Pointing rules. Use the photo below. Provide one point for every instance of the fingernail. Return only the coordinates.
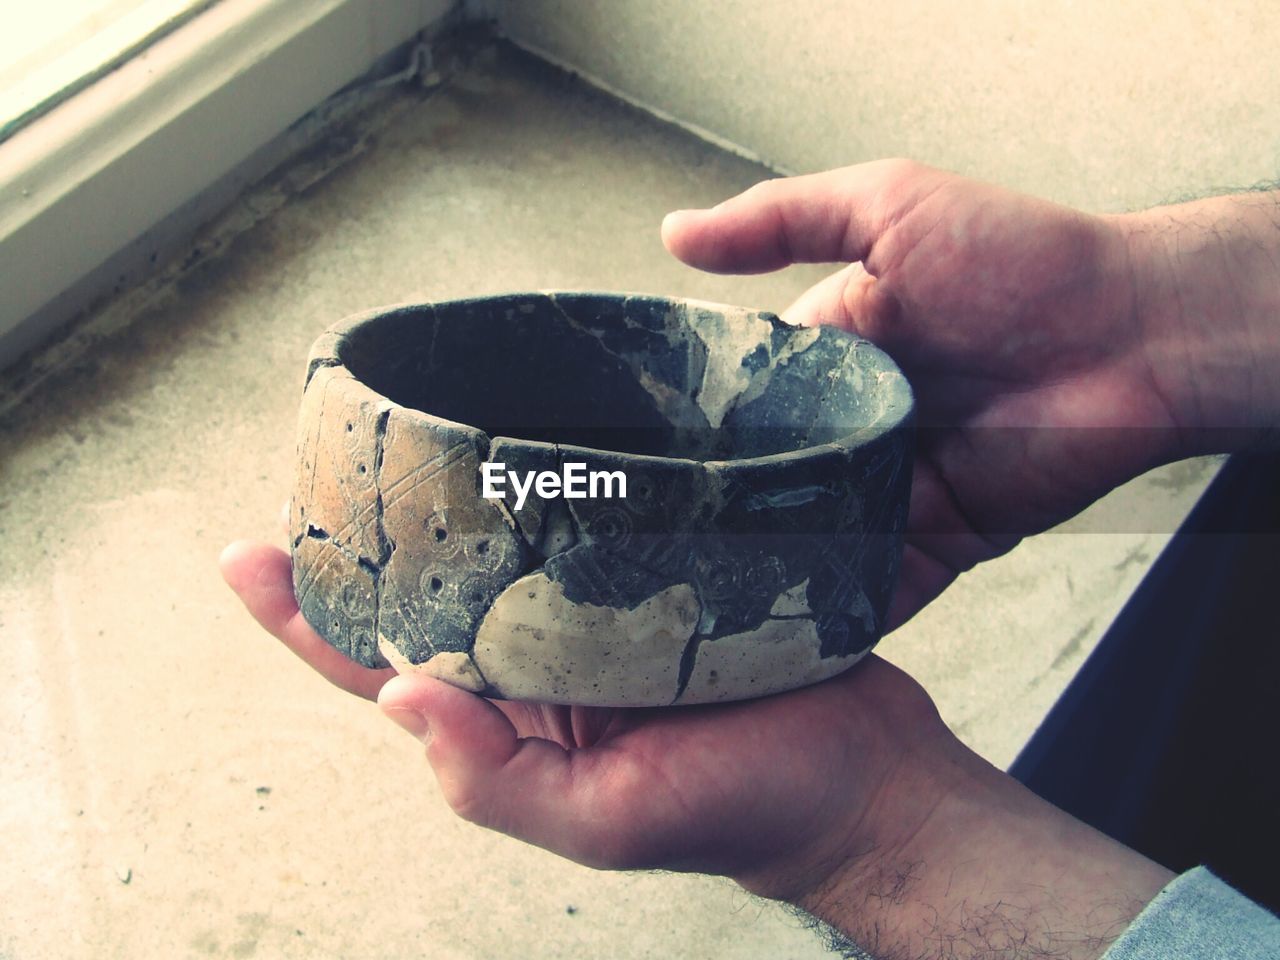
(411, 720)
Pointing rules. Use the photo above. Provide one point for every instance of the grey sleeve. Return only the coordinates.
(1198, 917)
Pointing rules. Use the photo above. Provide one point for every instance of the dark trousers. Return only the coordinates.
(1167, 738)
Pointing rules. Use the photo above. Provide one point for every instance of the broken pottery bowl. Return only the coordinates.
(600, 498)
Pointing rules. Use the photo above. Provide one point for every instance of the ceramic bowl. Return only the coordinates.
(602, 499)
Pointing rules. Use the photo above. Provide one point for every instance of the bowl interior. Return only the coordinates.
(630, 374)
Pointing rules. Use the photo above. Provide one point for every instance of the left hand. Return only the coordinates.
(850, 799)
(777, 793)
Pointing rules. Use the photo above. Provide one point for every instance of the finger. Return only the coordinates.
(850, 299)
(567, 726)
(821, 218)
(590, 724)
(939, 526)
(921, 579)
(261, 577)
(530, 788)
(543, 720)
(941, 544)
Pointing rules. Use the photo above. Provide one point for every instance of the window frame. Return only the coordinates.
(83, 181)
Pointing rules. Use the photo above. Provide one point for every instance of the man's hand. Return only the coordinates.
(1048, 358)
(1054, 355)
(850, 799)
(776, 793)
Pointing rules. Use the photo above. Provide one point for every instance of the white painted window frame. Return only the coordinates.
(80, 183)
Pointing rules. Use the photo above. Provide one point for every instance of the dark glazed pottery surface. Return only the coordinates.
(767, 471)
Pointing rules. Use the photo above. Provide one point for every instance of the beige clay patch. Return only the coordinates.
(535, 644)
(777, 655)
(451, 666)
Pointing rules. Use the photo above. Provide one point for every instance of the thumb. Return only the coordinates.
(531, 789)
(821, 218)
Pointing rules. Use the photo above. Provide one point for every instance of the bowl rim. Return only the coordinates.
(899, 415)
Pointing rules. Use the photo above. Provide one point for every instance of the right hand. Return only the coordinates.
(1014, 319)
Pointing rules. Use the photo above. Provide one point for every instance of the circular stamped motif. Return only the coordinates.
(610, 528)
(488, 552)
(437, 586)
(442, 542)
(474, 594)
(352, 601)
(766, 576)
(357, 434)
(720, 578)
(644, 495)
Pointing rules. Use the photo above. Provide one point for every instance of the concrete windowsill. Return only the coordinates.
(178, 783)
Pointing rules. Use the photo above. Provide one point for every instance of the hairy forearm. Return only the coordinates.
(1206, 282)
(993, 872)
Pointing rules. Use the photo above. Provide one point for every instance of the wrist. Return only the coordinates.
(991, 871)
(880, 790)
(1205, 279)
